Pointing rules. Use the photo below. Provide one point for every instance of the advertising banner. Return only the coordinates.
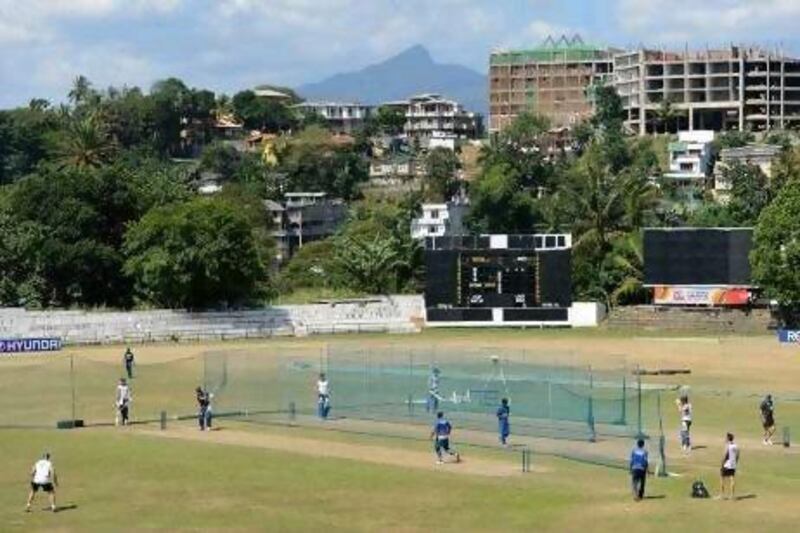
(688, 295)
(789, 336)
(8, 346)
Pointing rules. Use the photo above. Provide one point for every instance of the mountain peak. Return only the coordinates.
(412, 71)
(417, 54)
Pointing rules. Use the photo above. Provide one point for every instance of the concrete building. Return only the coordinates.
(691, 158)
(736, 88)
(553, 80)
(439, 220)
(302, 218)
(342, 117)
(428, 115)
(399, 167)
(760, 155)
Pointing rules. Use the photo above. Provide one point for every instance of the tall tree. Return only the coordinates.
(750, 192)
(500, 203)
(86, 143)
(262, 113)
(198, 254)
(390, 120)
(667, 115)
(775, 257)
(441, 181)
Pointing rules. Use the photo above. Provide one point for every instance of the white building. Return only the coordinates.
(440, 139)
(342, 117)
(439, 220)
(401, 167)
(690, 158)
(427, 114)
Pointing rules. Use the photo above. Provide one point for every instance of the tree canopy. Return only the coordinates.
(196, 254)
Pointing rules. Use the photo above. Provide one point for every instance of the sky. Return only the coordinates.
(229, 45)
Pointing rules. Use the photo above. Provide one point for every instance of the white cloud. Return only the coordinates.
(539, 30)
(26, 21)
(108, 65)
(712, 21)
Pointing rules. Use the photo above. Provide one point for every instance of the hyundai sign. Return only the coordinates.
(789, 336)
(29, 345)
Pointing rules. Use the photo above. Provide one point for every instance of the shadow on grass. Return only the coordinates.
(67, 507)
(745, 497)
(656, 497)
(700, 447)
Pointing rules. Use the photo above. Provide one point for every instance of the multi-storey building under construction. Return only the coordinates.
(553, 80)
(736, 88)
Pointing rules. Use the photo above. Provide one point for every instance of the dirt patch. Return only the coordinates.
(340, 450)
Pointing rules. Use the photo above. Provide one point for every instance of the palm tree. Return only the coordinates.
(596, 198)
(369, 264)
(81, 91)
(667, 115)
(627, 260)
(87, 143)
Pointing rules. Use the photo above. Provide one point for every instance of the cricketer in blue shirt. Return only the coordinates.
(441, 438)
(503, 424)
(638, 466)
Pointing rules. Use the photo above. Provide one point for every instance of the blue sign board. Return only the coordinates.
(29, 345)
(789, 336)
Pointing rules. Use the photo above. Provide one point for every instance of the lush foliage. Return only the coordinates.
(198, 253)
(441, 183)
(314, 161)
(263, 114)
(373, 253)
(775, 257)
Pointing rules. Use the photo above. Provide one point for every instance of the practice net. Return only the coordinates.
(396, 385)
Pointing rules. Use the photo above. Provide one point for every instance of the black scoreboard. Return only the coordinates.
(473, 272)
(697, 256)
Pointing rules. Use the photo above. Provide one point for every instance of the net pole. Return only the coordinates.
(410, 382)
(624, 400)
(590, 413)
(662, 441)
(72, 383)
(639, 401)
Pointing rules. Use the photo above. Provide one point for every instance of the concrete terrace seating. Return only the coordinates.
(708, 319)
(389, 314)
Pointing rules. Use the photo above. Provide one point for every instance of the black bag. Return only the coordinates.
(699, 490)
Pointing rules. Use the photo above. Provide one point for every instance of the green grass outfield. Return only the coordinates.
(129, 479)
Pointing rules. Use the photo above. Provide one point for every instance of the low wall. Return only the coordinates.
(706, 319)
(394, 314)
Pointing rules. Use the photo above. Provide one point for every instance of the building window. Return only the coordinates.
(686, 167)
(435, 213)
(431, 230)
